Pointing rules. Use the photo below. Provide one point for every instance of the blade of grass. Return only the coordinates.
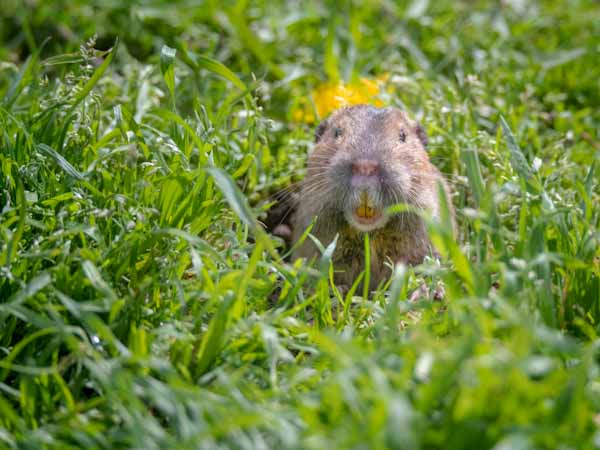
(198, 62)
(518, 160)
(93, 275)
(61, 161)
(6, 363)
(167, 68)
(26, 75)
(13, 244)
(89, 85)
(367, 279)
(35, 285)
(473, 169)
(234, 197)
(211, 342)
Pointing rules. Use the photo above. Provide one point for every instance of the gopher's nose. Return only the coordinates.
(365, 167)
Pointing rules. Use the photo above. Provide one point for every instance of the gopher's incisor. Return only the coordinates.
(366, 159)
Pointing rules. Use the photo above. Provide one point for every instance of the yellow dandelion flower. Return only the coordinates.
(328, 97)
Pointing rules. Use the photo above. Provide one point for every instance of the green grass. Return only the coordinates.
(142, 305)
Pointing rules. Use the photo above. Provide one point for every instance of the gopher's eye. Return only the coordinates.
(338, 132)
(402, 136)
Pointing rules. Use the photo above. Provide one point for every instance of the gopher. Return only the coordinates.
(366, 159)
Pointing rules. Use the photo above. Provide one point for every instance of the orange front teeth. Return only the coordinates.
(365, 210)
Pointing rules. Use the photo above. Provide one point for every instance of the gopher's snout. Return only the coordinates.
(365, 174)
(365, 167)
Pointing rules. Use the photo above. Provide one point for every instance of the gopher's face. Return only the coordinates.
(366, 159)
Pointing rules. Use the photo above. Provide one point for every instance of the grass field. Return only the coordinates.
(142, 304)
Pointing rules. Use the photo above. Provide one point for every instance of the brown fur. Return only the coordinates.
(407, 176)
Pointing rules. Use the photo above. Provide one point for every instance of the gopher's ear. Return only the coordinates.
(421, 134)
(321, 130)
